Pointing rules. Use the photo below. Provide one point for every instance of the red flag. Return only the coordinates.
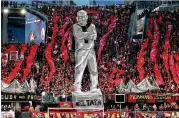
(64, 49)
(62, 30)
(166, 47)
(30, 61)
(55, 19)
(65, 54)
(17, 67)
(120, 72)
(151, 20)
(104, 38)
(114, 70)
(158, 75)
(95, 13)
(153, 54)
(160, 20)
(50, 59)
(177, 69)
(173, 69)
(140, 61)
(176, 57)
(117, 81)
(11, 48)
(49, 49)
(105, 23)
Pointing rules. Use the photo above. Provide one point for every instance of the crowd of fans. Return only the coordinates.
(136, 107)
(146, 107)
(155, 107)
(118, 52)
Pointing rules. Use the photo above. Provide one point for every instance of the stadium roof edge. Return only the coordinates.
(40, 15)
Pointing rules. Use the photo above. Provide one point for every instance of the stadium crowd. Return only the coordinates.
(142, 107)
(118, 52)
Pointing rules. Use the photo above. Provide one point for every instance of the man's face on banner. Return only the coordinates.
(82, 18)
(31, 36)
